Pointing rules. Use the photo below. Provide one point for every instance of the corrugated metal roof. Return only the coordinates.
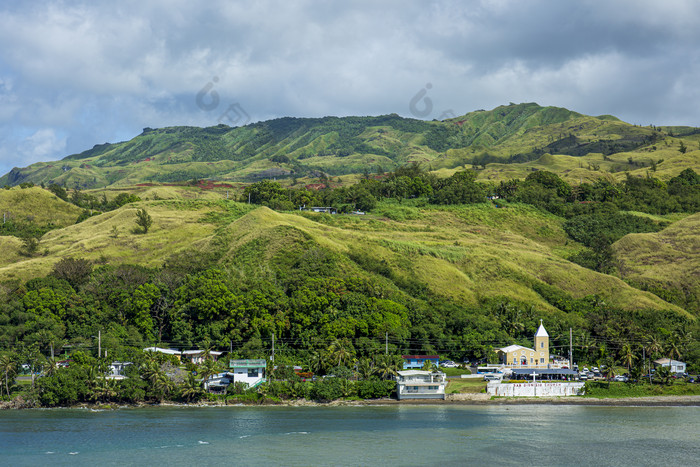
(553, 371)
(255, 363)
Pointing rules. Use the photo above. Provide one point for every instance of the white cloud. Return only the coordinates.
(41, 145)
(100, 71)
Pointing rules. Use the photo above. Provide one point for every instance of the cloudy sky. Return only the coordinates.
(75, 74)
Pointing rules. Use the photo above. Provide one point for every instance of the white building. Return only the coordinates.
(219, 382)
(675, 365)
(250, 372)
(417, 384)
(198, 356)
(117, 370)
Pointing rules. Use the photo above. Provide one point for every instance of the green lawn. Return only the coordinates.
(465, 386)
(455, 371)
(677, 388)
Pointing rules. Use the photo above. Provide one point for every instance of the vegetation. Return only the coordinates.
(143, 220)
(456, 255)
(505, 142)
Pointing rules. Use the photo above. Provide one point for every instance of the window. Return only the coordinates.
(252, 372)
(541, 345)
(541, 360)
(531, 360)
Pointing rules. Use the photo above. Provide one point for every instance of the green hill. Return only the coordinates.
(516, 135)
(665, 262)
(436, 274)
(467, 254)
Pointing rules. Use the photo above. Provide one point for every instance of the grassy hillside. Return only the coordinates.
(38, 206)
(466, 254)
(667, 262)
(508, 141)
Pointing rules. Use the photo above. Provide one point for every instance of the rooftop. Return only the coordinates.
(541, 332)
(254, 363)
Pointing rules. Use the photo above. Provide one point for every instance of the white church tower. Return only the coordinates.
(541, 347)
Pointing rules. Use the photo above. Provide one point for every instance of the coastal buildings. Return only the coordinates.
(518, 356)
(117, 370)
(674, 365)
(417, 384)
(250, 372)
(417, 361)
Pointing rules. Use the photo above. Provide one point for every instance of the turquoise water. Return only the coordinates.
(369, 435)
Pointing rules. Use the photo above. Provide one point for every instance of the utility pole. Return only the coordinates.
(99, 344)
(386, 341)
(571, 349)
(51, 350)
(273, 347)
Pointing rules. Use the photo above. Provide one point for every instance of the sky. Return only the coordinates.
(75, 74)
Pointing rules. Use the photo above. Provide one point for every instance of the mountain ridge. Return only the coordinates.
(291, 147)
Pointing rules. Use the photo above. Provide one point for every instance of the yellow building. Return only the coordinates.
(517, 356)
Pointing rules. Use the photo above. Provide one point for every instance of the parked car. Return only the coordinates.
(493, 377)
(582, 376)
(621, 378)
(449, 364)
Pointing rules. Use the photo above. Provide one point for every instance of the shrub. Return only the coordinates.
(328, 389)
(375, 389)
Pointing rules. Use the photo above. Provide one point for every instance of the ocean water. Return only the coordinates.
(355, 435)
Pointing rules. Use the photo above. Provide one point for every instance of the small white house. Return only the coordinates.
(675, 365)
(117, 370)
(250, 372)
(198, 356)
(418, 384)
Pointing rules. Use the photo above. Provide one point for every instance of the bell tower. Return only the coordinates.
(541, 347)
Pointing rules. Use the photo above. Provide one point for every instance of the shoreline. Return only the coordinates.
(648, 401)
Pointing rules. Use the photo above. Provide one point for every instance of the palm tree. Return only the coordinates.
(339, 353)
(316, 363)
(609, 371)
(151, 371)
(428, 365)
(207, 369)
(93, 380)
(628, 356)
(672, 348)
(105, 389)
(50, 366)
(386, 367)
(8, 367)
(654, 346)
(365, 368)
(191, 388)
(162, 386)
